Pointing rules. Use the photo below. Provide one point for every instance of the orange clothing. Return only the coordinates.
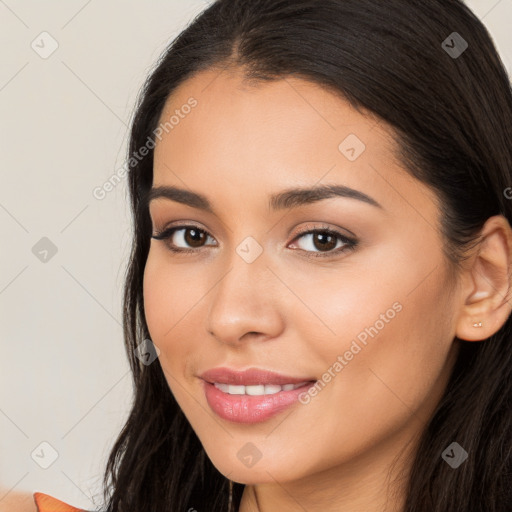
(46, 503)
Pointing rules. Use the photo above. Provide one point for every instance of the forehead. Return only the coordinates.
(281, 114)
(270, 135)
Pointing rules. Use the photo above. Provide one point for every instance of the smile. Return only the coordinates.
(258, 390)
(252, 404)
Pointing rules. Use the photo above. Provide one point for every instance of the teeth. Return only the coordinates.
(257, 390)
(254, 390)
(270, 389)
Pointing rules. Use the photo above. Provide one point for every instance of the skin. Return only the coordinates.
(295, 315)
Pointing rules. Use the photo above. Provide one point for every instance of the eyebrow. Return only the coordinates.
(287, 199)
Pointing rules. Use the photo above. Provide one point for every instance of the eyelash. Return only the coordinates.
(350, 243)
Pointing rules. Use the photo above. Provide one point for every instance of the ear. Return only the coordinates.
(486, 283)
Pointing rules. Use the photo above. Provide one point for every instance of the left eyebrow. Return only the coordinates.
(287, 199)
(295, 197)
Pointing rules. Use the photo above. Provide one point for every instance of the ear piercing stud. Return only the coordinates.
(479, 324)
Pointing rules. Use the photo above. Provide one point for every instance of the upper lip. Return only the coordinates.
(250, 377)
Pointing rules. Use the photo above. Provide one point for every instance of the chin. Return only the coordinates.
(265, 470)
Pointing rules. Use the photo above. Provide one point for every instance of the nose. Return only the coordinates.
(245, 304)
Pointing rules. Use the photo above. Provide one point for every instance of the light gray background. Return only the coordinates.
(64, 378)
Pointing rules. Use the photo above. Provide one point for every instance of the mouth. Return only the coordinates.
(253, 395)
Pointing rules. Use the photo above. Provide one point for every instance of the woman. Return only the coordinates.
(317, 303)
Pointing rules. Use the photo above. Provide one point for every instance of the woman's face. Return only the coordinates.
(371, 322)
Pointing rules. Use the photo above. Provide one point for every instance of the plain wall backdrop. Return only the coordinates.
(69, 78)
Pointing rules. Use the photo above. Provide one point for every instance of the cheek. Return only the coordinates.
(170, 291)
(385, 331)
(389, 381)
(157, 299)
(169, 297)
(331, 307)
(171, 302)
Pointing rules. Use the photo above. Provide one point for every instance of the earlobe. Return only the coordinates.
(485, 300)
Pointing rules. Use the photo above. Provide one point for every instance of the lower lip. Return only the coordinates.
(250, 408)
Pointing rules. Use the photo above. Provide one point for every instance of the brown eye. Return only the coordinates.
(183, 238)
(194, 237)
(324, 243)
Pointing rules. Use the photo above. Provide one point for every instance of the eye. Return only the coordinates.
(191, 235)
(323, 239)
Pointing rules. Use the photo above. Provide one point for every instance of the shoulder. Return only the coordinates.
(46, 503)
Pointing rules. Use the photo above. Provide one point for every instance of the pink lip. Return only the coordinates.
(250, 408)
(250, 377)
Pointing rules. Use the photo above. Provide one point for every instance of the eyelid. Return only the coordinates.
(323, 227)
(181, 224)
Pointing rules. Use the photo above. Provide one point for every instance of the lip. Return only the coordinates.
(250, 408)
(250, 377)
(247, 408)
